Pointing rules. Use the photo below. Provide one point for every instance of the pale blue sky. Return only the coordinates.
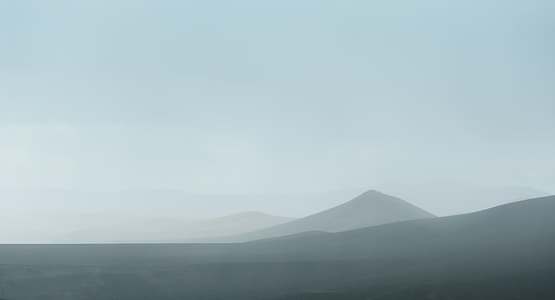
(276, 96)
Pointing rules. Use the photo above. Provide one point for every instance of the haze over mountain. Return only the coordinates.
(240, 96)
(51, 215)
(168, 203)
(439, 198)
(161, 230)
(368, 209)
(124, 228)
(57, 215)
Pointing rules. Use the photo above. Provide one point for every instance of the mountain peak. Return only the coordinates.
(368, 209)
(369, 195)
(376, 202)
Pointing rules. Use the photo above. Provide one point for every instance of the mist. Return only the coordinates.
(307, 149)
(250, 98)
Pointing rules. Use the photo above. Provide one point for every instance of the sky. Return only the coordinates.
(276, 96)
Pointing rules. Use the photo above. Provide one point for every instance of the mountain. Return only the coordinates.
(163, 229)
(504, 252)
(368, 209)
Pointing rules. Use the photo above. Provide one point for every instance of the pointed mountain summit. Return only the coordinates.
(368, 209)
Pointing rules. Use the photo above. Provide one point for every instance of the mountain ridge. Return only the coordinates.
(164, 230)
(368, 209)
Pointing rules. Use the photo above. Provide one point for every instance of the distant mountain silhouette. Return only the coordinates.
(163, 230)
(169, 203)
(368, 209)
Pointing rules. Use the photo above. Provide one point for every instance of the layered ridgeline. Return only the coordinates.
(73, 216)
(501, 253)
(105, 228)
(368, 209)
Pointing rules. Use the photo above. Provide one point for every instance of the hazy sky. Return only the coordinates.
(267, 96)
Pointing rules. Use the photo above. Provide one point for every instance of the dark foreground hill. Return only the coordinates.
(368, 209)
(501, 253)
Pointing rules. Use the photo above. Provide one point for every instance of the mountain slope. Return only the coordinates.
(504, 229)
(368, 209)
(504, 252)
